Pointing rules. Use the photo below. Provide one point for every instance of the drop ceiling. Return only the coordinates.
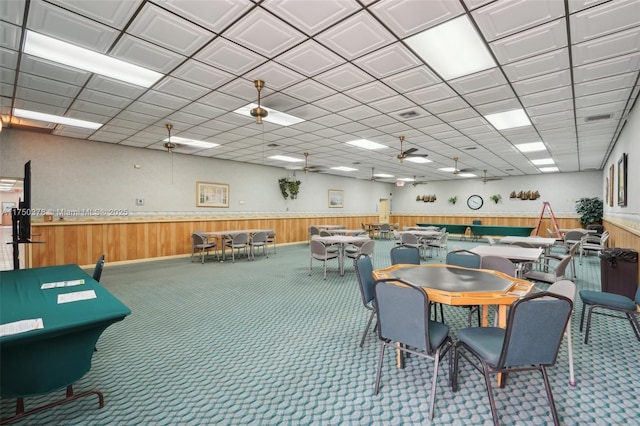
(345, 68)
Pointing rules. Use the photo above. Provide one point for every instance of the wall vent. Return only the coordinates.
(408, 114)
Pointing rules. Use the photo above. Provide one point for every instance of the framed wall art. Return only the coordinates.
(622, 180)
(210, 194)
(336, 198)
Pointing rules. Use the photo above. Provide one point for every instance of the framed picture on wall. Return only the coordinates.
(622, 180)
(210, 194)
(610, 183)
(336, 198)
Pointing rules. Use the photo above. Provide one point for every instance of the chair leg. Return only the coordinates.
(380, 359)
(552, 404)
(434, 384)
(366, 330)
(584, 307)
(634, 323)
(586, 333)
(492, 402)
(572, 379)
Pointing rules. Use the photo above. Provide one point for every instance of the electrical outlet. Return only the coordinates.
(139, 201)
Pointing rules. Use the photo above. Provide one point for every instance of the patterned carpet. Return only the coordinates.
(264, 343)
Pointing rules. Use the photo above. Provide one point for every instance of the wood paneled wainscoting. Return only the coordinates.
(82, 243)
(623, 236)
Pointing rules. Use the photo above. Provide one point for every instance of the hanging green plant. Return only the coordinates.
(495, 198)
(283, 187)
(294, 188)
(453, 200)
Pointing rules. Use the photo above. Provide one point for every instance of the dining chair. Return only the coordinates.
(589, 244)
(405, 254)
(97, 271)
(200, 243)
(239, 241)
(572, 252)
(547, 273)
(313, 230)
(567, 289)
(271, 238)
(498, 263)
(368, 248)
(599, 302)
(259, 239)
(441, 242)
(466, 259)
(531, 341)
(404, 324)
(364, 268)
(410, 240)
(572, 237)
(320, 252)
(384, 231)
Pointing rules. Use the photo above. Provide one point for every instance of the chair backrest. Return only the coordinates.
(476, 222)
(491, 241)
(403, 313)
(535, 328)
(637, 298)
(325, 233)
(405, 254)
(364, 268)
(197, 238)
(368, 248)
(317, 248)
(564, 288)
(499, 263)
(560, 269)
(259, 237)
(572, 237)
(464, 258)
(241, 238)
(313, 230)
(396, 225)
(385, 227)
(97, 271)
(442, 240)
(408, 238)
(574, 249)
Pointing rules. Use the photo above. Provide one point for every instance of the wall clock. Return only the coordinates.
(475, 202)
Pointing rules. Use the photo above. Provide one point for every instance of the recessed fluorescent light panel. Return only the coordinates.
(452, 49)
(191, 142)
(508, 119)
(531, 147)
(79, 57)
(447, 169)
(286, 158)
(465, 175)
(419, 160)
(363, 143)
(275, 117)
(543, 162)
(40, 116)
(549, 169)
(344, 169)
(383, 175)
(406, 179)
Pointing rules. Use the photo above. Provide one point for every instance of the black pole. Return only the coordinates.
(15, 238)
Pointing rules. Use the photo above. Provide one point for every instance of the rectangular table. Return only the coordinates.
(341, 241)
(513, 253)
(58, 354)
(229, 234)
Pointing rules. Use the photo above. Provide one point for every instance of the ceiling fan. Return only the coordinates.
(486, 178)
(170, 146)
(258, 112)
(307, 168)
(456, 170)
(408, 153)
(373, 176)
(418, 182)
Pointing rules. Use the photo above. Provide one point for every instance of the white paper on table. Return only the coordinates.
(21, 326)
(76, 295)
(61, 284)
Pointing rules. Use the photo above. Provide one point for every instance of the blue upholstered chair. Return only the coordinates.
(364, 269)
(404, 318)
(466, 259)
(531, 341)
(405, 254)
(609, 302)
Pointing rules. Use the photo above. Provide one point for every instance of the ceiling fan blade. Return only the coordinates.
(409, 152)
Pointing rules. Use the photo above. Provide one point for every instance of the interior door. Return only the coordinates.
(383, 211)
